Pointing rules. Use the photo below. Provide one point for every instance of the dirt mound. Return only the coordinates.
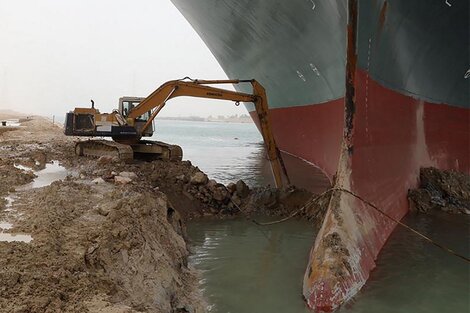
(97, 247)
(11, 176)
(121, 243)
(447, 191)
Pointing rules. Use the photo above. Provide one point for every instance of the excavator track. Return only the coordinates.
(145, 149)
(99, 148)
(148, 149)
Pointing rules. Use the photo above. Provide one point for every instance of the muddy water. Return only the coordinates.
(15, 237)
(414, 276)
(4, 226)
(248, 269)
(52, 172)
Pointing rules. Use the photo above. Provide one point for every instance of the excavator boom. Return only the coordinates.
(195, 88)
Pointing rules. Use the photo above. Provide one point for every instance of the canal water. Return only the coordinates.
(227, 152)
(249, 268)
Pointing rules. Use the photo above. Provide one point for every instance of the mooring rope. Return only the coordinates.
(295, 213)
(419, 234)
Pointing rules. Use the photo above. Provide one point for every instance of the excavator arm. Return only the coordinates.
(194, 88)
(199, 88)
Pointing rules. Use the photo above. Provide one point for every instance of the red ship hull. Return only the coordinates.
(395, 135)
(400, 103)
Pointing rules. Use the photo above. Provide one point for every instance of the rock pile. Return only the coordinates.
(194, 194)
(448, 191)
(184, 183)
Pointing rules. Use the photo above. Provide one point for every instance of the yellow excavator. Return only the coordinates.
(134, 120)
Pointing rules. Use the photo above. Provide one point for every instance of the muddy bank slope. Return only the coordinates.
(97, 246)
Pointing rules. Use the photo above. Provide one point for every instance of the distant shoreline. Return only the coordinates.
(230, 119)
(244, 118)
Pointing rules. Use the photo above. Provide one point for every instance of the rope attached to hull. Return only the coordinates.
(369, 204)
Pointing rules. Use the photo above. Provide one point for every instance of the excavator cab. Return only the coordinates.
(126, 105)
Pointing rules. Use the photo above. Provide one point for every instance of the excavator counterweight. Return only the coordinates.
(134, 120)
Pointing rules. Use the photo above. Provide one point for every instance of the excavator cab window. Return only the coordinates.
(144, 117)
(127, 106)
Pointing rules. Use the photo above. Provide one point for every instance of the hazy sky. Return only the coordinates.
(56, 55)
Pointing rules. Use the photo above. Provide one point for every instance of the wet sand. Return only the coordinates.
(69, 244)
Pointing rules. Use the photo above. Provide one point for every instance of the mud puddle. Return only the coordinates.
(11, 122)
(12, 237)
(9, 199)
(15, 237)
(5, 225)
(51, 173)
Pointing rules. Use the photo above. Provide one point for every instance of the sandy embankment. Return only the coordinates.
(96, 247)
(103, 246)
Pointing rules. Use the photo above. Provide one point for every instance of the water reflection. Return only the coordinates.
(213, 148)
(246, 268)
(414, 276)
(51, 173)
